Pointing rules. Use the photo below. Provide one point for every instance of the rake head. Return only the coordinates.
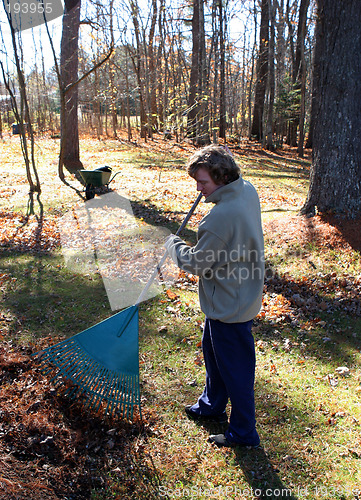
(101, 364)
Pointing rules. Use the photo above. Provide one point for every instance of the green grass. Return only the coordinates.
(308, 413)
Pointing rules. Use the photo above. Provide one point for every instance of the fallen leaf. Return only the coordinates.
(171, 295)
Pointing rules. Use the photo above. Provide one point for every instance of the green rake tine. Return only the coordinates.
(108, 395)
(131, 395)
(107, 388)
(123, 396)
(113, 401)
(118, 401)
(127, 395)
(92, 392)
(75, 376)
(117, 391)
(83, 380)
(134, 395)
(86, 374)
(72, 353)
(117, 406)
(130, 398)
(98, 395)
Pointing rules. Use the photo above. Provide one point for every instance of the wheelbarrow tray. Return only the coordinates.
(95, 177)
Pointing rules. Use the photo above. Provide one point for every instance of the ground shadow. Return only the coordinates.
(258, 470)
(261, 475)
(350, 230)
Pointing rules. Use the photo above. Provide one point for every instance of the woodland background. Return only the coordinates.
(139, 87)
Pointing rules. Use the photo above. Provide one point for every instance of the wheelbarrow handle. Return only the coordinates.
(162, 260)
(113, 177)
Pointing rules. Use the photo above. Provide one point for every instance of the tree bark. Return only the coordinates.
(335, 183)
(197, 116)
(222, 70)
(262, 72)
(271, 78)
(68, 75)
(138, 63)
(299, 71)
(153, 119)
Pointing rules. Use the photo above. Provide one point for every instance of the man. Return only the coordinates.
(229, 260)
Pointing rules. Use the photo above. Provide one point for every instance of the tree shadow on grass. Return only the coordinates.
(261, 475)
(41, 298)
(155, 216)
(323, 312)
(258, 471)
(350, 230)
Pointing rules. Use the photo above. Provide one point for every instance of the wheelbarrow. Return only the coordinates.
(97, 181)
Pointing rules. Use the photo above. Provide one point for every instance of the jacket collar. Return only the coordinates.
(227, 191)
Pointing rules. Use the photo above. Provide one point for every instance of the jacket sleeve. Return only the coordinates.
(204, 256)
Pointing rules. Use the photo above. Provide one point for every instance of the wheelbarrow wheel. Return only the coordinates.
(89, 191)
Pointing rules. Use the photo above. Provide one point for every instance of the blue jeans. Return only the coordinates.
(230, 361)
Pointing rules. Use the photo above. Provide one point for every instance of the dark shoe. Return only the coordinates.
(221, 440)
(218, 419)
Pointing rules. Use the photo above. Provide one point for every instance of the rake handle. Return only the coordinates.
(162, 260)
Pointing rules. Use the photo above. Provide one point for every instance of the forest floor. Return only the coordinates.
(308, 341)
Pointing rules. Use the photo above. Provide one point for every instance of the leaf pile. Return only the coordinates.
(325, 232)
(52, 449)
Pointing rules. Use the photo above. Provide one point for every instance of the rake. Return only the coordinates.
(100, 365)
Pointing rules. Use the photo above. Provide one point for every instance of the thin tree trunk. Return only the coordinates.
(271, 78)
(222, 70)
(262, 72)
(193, 105)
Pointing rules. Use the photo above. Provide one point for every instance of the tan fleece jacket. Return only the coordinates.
(229, 254)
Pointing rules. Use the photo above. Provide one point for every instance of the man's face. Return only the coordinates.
(205, 184)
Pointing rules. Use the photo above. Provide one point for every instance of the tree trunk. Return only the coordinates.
(138, 63)
(193, 105)
(335, 184)
(280, 67)
(70, 150)
(197, 117)
(249, 100)
(262, 72)
(271, 78)
(153, 119)
(299, 71)
(222, 70)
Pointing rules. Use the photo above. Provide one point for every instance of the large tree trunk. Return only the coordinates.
(336, 167)
(262, 72)
(69, 74)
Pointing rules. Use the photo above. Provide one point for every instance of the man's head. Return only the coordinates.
(217, 162)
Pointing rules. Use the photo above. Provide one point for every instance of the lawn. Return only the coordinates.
(307, 335)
